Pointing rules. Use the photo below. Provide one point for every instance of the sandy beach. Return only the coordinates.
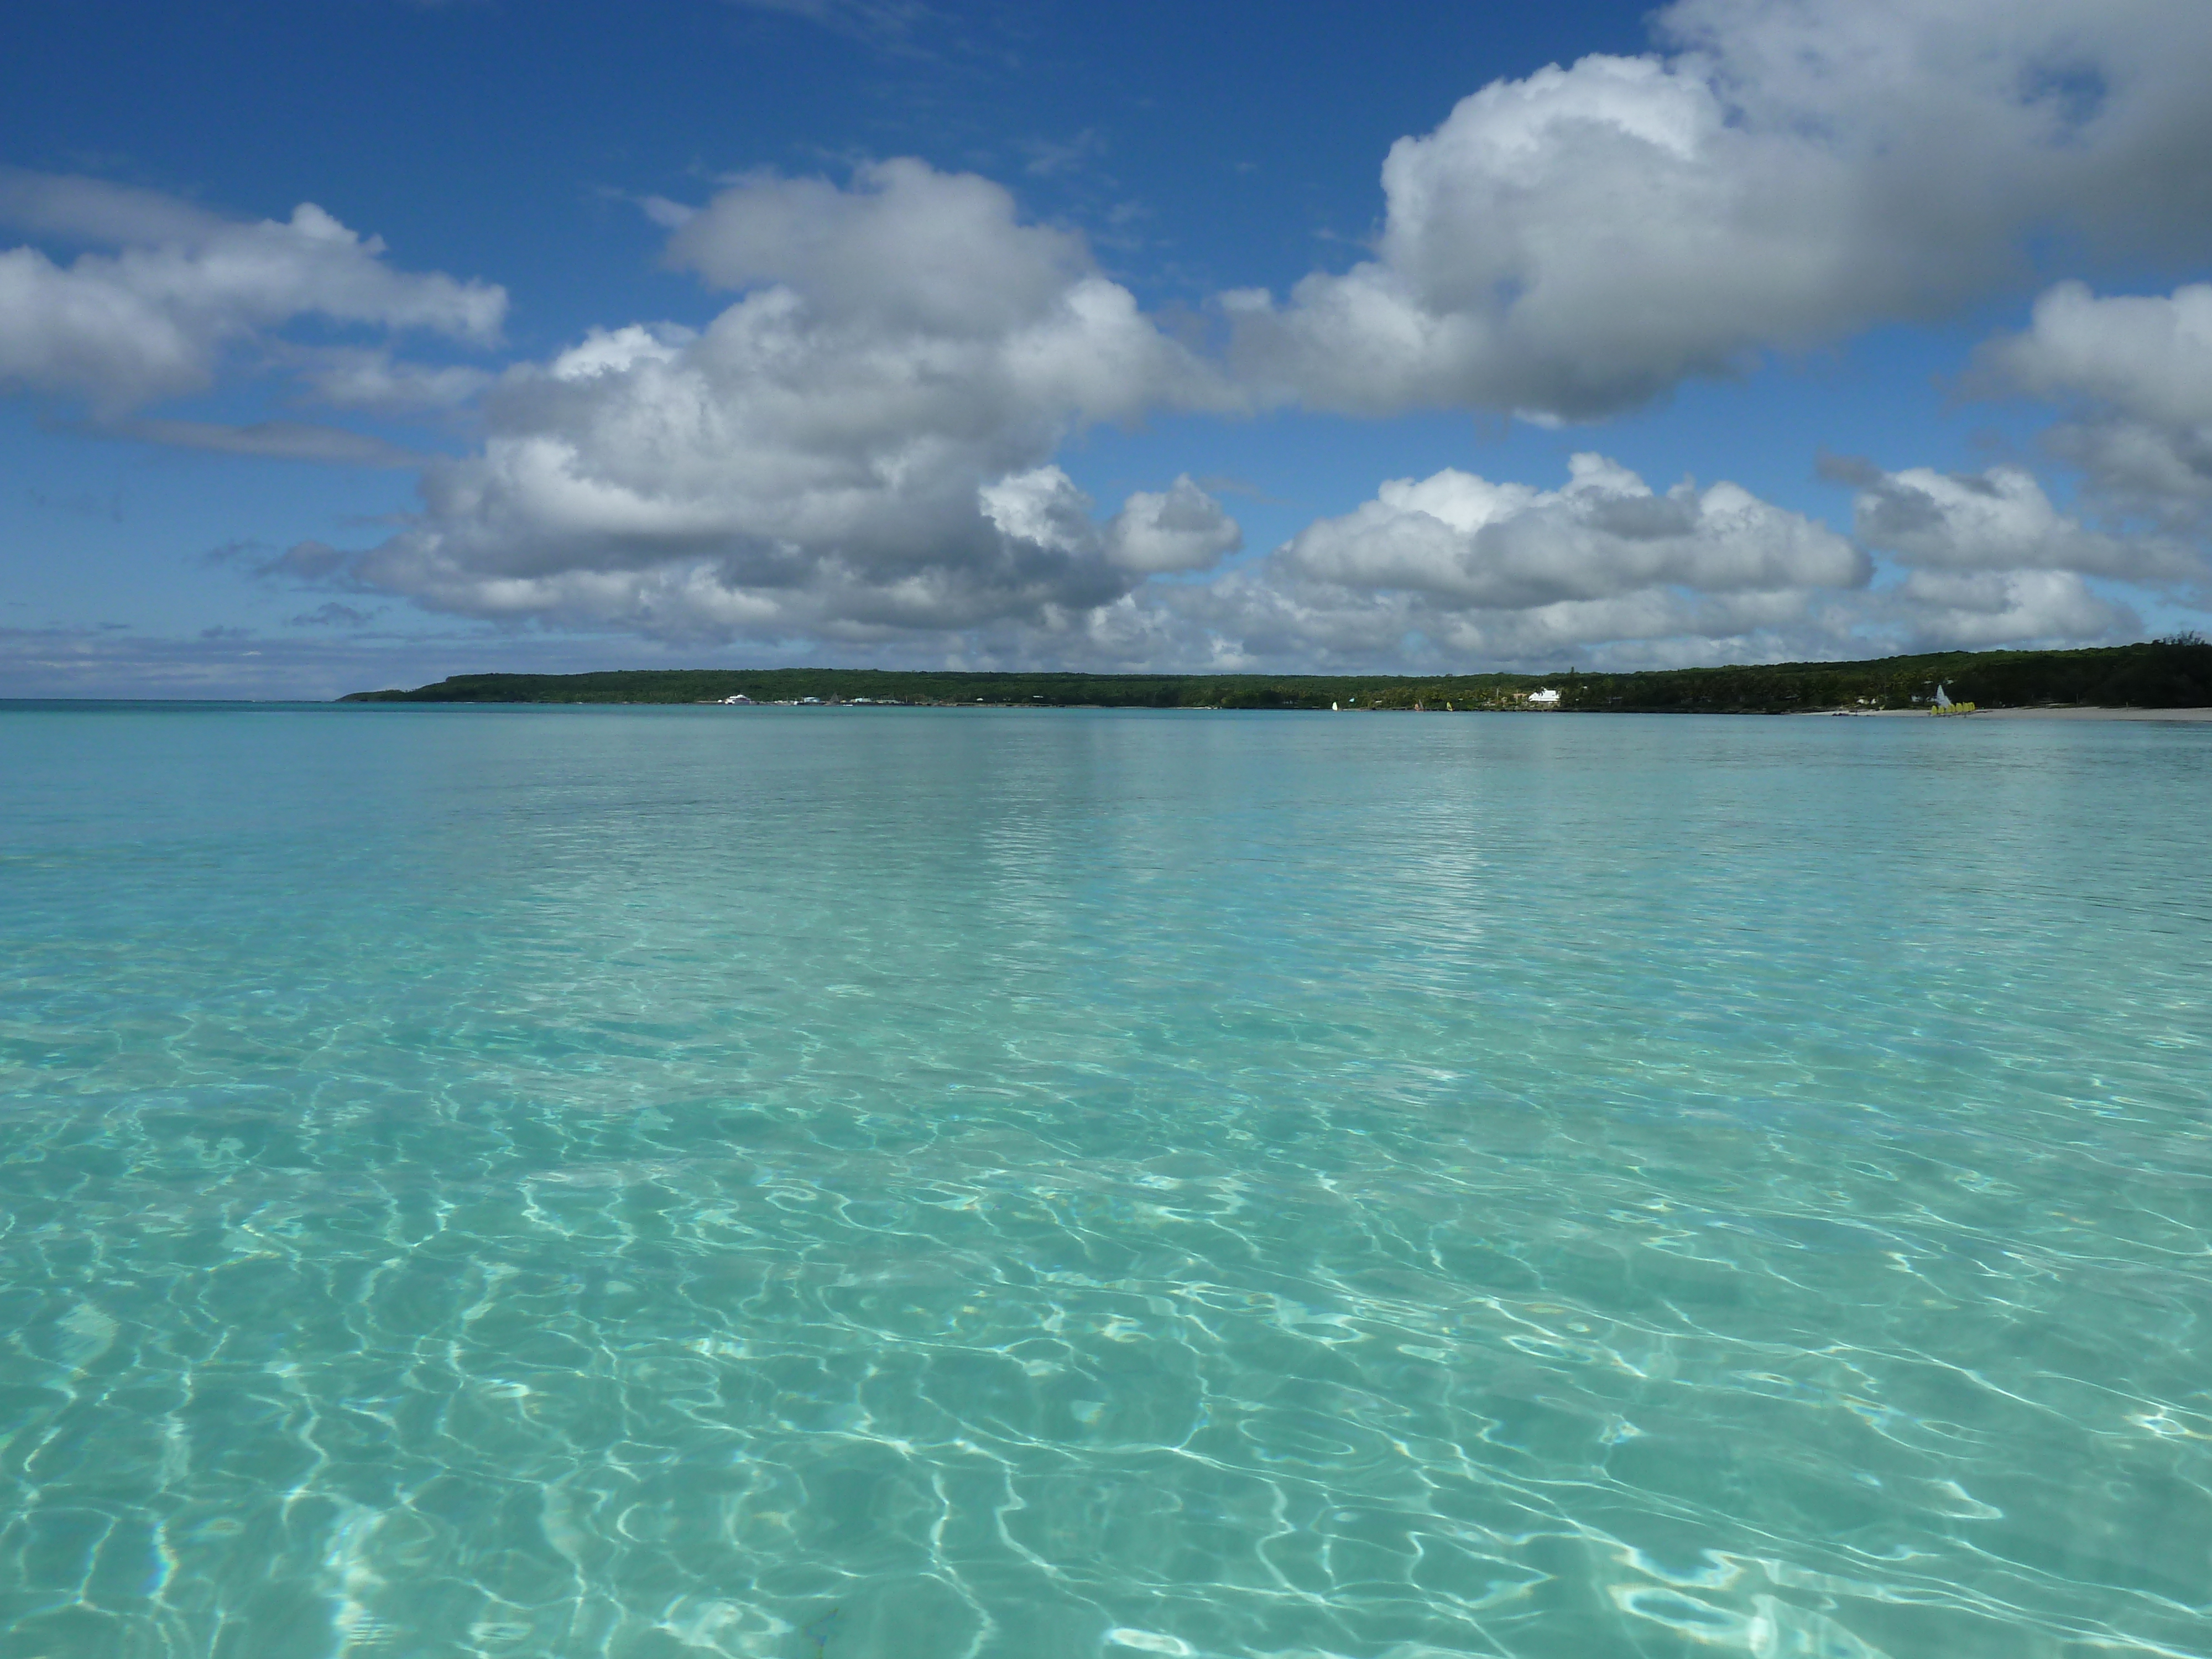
(2069, 713)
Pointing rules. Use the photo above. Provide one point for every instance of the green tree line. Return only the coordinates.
(2171, 673)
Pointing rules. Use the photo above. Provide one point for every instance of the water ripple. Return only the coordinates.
(650, 1183)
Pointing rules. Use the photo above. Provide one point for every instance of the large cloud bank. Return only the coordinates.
(1577, 242)
(1454, 565)
(856, 448)
(1454, 568)
(859, 450)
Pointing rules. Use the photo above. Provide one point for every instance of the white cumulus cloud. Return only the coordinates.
(860, 448)
(1578, 242)
(1950, 609)
(1999, 518)
(1454, 568)
(2134, 373)
(1155, 534)
(163, 288)
(1181, 529)
(1463, 542)
(856, 447)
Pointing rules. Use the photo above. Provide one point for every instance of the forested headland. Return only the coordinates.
(2171, 673)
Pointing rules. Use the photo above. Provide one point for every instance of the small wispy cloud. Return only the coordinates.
(231, 552)
(288, 441)
(83, 505)
(669, 216)
(332, 615)
(1048, 156)
(352, 378)
(888, 25)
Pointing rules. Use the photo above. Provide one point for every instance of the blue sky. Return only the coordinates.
(1140, 337)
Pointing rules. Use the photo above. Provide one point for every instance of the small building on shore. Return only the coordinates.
(1546, 698)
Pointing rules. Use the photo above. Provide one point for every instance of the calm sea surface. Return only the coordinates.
(906, 1183)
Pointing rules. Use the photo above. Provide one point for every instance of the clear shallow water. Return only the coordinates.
(823, 1184)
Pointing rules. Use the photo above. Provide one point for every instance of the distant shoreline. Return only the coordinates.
(2156, 675)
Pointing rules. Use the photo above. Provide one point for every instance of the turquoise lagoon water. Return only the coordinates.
(915, 1183)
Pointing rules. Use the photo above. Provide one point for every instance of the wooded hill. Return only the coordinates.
(2175, 673)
